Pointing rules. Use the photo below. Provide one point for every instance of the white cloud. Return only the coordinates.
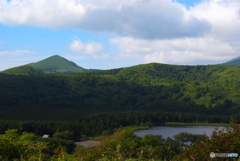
(138, 18)
(44, 13)
(177, 51)
(223, 15)
(87, 48)
(149, 30)
(16, 52)
(217, 46)
(145, 19)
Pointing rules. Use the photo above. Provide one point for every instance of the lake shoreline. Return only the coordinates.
(171, 129)
(197, 123)
(147, 126)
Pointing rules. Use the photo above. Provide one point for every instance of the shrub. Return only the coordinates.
(219, 142)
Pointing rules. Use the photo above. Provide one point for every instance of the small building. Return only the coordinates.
(45, 136)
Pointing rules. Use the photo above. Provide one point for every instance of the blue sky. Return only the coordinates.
(189, 3)
(119, 33)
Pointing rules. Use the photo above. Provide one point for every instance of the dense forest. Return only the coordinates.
(159, 92)
(95, 124)
(151, 87)
(81, 105)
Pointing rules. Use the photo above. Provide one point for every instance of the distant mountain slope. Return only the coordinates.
(149, 87)
(233, 62)
(23, 70)
(58, 65)
(170, 72)
(221, 81)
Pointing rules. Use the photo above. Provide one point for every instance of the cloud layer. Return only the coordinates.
(152, 19)
(175, 51)
(87, 48)
(149, 30)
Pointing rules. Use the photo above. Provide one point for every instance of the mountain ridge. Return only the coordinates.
(59, 65)
(232, 62)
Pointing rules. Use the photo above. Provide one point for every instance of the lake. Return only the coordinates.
(171, 130)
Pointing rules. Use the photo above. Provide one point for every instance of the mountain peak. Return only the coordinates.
(56, 65)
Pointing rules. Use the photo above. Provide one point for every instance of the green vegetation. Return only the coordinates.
(233, 62)
(123, 145)
(153, 87)
(104, 123)
(23, 70)
(57, 64)
(74, 95)
(79, 106)
(219, 142)
(27, 146)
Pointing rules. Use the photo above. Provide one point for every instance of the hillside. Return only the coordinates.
(23, 70)
(233, 62)
(148, 87)
(209, 85)
(58, 65)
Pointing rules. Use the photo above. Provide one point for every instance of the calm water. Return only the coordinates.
(171, 130)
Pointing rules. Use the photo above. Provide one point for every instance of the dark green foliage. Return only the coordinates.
(23, 70)
(2, 74)
(153, 140)
(104, 123)
(24, 146)
(122, 89)
(186, 98)
(54, 143)
(161, 92)
(221, 141)
(64, 135)
(97, 102)
(184, 138)
(106, 132)
(58, 97)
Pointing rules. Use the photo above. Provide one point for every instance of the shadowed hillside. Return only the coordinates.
(23, 70)
(147, 87)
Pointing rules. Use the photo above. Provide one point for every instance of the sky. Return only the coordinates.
(107, 34)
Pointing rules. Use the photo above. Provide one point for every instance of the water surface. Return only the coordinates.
(171, 130)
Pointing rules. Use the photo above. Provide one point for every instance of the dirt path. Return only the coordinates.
(88, 144)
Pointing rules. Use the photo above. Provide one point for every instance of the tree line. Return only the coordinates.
(95, 124)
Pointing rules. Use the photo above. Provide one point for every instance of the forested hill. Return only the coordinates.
(148, 87)
(23, 70)
(233, 62)
(57, 65)
(173, 73)
(176, 73)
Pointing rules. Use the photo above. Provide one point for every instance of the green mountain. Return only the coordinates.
(58, 65)
(147, 87)
(23, 70)
(233, 62)
(207, 85)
